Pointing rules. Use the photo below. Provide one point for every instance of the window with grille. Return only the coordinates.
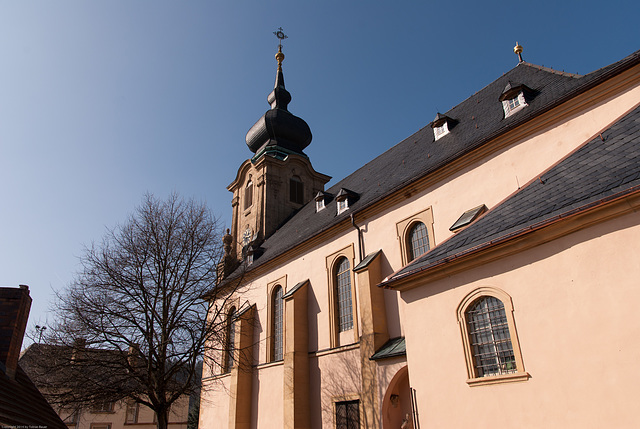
(276, 324)
(296, 190)
(132, 412)
(231, 338)
(440, 131)
(248, 195)
(348, 415)
(100, 425)
(343, 289)
(343, 205)
(418, 239)
(513, 105)
(490, 338)
(102, 407)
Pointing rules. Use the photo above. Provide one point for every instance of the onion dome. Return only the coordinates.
(279, 132)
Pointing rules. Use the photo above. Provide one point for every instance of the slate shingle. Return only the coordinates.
(583, 178)
(479, 119)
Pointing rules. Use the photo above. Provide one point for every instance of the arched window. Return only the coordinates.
(276, 324)
(231, 339)
(296, 190)
(248, 194)
(489, 336)
(417, 240)
(343, 295)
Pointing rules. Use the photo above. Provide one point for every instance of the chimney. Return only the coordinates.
(15, 304)
(79, 351)
(132, 355)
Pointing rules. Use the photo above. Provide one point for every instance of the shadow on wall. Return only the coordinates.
(396, 405)
(341, 381)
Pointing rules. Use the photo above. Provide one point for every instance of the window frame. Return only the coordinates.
(103, 407)
(271, 290)
(346, 401)
(296, 190)
(403, 228)
(411, 251)
(441, 131)
(350, 336)
(469, 301)
(342, 205)
(135, 407)
(248, 195)
(230, 339)
(344, 307)
(511, 110)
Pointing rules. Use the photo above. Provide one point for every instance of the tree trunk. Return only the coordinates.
(163, 418)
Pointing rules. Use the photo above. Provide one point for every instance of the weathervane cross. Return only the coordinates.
(280, 35)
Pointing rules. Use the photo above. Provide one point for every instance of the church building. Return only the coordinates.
(482, 272)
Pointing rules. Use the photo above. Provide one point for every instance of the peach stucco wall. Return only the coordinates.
(268, 397)
(575, 307)
(488, 182)
(214, 402)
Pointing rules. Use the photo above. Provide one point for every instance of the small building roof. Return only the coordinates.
(22, 404)
(392, 348)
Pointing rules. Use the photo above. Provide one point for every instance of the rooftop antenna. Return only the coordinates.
(518, 51)
(279, 33)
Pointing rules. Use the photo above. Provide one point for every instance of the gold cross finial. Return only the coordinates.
(279, 33)
(518, 51)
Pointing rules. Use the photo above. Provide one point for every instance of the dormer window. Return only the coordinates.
(440, 126)
(513, 98)
(344, 199)
(440, 131)
(343, 206)
(321, 200)
(514, 105)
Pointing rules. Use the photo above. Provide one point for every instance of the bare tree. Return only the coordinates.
(133, 324)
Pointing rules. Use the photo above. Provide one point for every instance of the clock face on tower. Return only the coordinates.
(246, 236)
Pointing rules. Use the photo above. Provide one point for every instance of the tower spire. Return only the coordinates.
(278, 132)
(279, 97)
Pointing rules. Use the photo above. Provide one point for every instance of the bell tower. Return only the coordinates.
(279, 179)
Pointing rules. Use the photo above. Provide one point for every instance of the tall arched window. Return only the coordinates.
(276, 324)
(492, 350)
(417, 240)
(343, 294)
(231, 339)
(490, 338)
(248, 194)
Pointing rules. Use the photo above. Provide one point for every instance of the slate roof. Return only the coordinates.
(601, 170)
(478, 119)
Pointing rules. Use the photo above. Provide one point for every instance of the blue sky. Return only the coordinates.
(103, 101)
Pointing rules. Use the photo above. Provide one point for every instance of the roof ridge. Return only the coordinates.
(551, 70)
(467, 138)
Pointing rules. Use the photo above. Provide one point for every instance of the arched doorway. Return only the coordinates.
(396, 405)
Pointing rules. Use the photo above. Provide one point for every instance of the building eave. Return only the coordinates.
(518, 241)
